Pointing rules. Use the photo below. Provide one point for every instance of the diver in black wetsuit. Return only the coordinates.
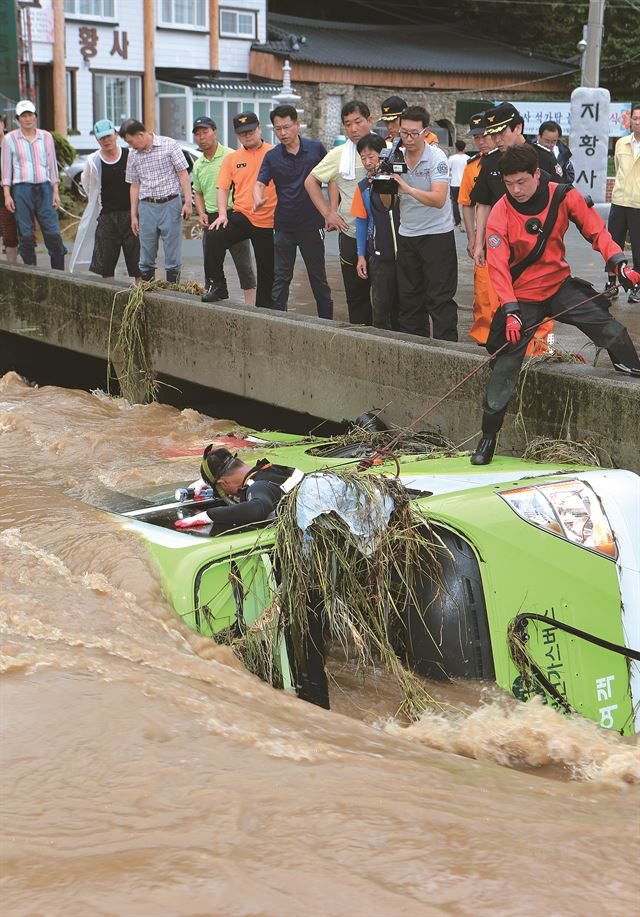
(258, 489)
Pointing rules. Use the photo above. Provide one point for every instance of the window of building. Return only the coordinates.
(116, 97)
(70, 80)
(183, 13)
(238, 24)
(94, 9)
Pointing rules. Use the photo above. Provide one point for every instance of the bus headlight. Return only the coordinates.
(569, 509)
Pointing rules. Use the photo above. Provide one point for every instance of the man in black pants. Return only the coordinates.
(342, 170)
(298, 224)
(427, 258)
(240, 171)
(530, 288)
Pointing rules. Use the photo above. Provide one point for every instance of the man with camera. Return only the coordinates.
(427, 258)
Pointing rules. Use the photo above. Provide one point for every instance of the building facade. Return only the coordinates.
(426, 63)
(196, 55)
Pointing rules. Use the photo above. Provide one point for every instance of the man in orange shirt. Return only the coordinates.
(240, 171)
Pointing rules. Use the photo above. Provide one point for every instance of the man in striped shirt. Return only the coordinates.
(30, 185)
(160, 197)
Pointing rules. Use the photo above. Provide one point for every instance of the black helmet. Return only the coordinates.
(215, 462)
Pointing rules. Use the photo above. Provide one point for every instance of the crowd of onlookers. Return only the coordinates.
(395, 202)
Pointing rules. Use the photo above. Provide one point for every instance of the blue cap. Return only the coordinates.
(103, 128)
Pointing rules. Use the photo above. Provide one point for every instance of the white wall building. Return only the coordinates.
(104, 58)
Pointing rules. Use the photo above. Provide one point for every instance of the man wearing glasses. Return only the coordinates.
(245, 221)
(427, 258)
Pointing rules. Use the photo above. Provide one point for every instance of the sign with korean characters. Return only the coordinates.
(536, 113)
(589, 139)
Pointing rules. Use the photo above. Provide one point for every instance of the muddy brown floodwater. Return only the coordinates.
(145, 773)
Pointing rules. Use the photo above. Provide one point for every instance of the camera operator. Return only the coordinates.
(375, 206)
(427, 258)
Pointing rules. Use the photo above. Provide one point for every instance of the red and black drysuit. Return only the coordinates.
(545, 288)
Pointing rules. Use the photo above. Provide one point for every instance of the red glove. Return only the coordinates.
(513, 326)
(193, 521)
(628, 278)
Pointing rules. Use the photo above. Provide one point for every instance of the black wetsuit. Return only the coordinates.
(261, 493)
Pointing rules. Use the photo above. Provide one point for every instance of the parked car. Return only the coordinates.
(72, 175)
(540, 564)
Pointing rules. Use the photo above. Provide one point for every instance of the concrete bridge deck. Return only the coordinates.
(330, 370)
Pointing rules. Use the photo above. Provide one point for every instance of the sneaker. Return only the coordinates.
(634, 296)
(484, 451)
(215, 294)
(611, 289)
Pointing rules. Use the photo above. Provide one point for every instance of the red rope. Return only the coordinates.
(379, 453)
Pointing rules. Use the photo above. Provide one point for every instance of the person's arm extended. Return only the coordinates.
(185, 184)
(201, 210)
(313, 187)
(259, 200)
(498, 254)
(261, 502)
(434, 198)
(7, 175)
(594, 230)
(469, 219)
(482, 215)
(223, 219)
(134, 196)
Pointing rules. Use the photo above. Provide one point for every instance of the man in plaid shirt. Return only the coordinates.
(160, 197)
(30, 185)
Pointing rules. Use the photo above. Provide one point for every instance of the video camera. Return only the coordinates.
(392, 162)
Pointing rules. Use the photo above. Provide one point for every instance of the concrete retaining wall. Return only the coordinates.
(330, 370)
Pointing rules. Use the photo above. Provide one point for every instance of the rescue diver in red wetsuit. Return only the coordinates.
(545, 287)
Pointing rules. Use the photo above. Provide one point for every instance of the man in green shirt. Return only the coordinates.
(205, 179)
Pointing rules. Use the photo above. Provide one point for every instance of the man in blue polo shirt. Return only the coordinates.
(298, 224)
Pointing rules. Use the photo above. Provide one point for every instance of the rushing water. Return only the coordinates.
(144, 772)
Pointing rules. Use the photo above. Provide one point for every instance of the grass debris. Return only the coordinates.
(136, 377)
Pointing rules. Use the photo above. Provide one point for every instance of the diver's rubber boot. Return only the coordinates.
(484, 451)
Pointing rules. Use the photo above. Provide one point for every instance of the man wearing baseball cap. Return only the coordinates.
(392, 108)
(205, 185)
(485, 301)
(105, 228)
(506, 125)
(30, 185)
(241, 170)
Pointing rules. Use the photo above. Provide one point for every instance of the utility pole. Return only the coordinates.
(59, 73)
(595, 28)
(149, 76)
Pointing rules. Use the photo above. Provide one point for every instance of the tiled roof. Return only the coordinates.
(429, 47)
(213, 80)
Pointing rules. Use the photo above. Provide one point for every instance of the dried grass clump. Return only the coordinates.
(585, 452)
(136, 377)
(362, 595)
(359, 442)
